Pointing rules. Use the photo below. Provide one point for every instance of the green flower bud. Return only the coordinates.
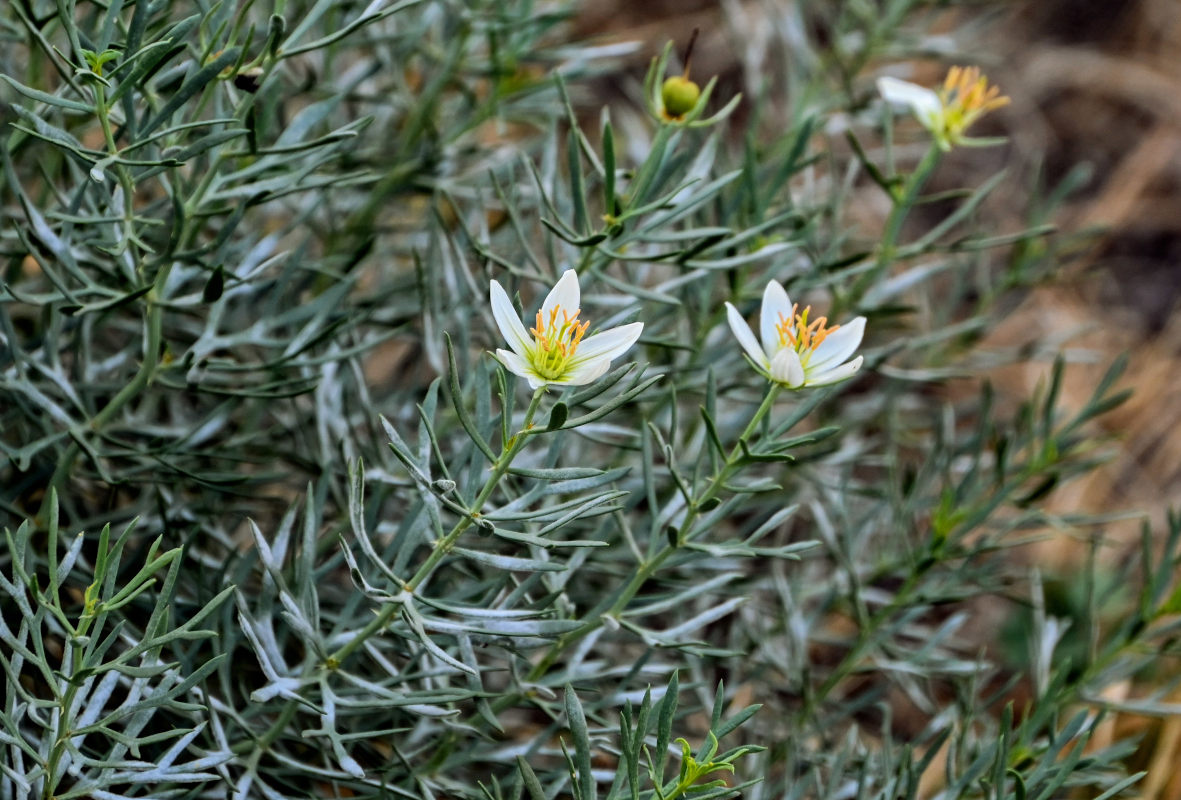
(679, 95)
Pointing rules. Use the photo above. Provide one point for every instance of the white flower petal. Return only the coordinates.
(746, 336)
(925, 103)
(836, 374)
(519, 366)
(786, 368)
(584, 372)
(511, 328)
(837, 346)
(608, 344)
(564, 294)
(776, 304)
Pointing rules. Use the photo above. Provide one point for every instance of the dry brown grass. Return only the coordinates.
(1101, 82)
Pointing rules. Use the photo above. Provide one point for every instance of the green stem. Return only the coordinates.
(764, 408)
(867, 635)
(153, 324)
(121, 171)
(152, 315)
(893, 229)
(62, 732)
(868, 629)
(648, 568)
(443, 546)
(499, 469)
(509, 451)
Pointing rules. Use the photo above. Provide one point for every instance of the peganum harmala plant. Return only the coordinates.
(256, 256)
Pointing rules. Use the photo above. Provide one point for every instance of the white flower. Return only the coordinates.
(923, 102)
(796, 352)
(553, 351)
(947, 113)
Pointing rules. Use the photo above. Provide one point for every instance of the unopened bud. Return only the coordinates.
(679, 95)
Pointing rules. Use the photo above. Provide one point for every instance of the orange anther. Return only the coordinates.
(807, 336)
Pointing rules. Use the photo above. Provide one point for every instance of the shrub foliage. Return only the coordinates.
(278, 526)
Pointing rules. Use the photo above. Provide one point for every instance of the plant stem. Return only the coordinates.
(509, 451)
(62, 730)
(153, 323)
(647, 568)
(443, 547)
(903, 204)
(124, 176)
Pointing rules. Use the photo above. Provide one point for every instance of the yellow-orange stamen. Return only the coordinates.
(557, 340)
(796, 332)
(966, 88)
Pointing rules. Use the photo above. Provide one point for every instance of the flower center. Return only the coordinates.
(557, 339)
(796, 332)
(965, 96)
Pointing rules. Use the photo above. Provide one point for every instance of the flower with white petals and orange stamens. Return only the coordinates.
(797, 351)
(965, 96)
(554, 350)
